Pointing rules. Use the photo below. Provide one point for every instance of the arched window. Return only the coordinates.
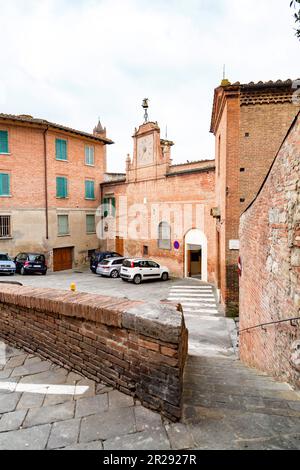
(164, 236)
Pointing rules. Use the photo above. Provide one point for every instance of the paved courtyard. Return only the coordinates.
(86, 281)
(225, 405)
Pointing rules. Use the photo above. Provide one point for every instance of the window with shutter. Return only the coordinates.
(109, 208)
(3, 142)
(61, 149)
(164, 236)
(61, 187)
(4, 184)
(89, 189)
(63, 224)
(89, 155)
(90, 223)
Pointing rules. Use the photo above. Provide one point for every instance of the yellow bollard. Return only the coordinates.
(73, 287)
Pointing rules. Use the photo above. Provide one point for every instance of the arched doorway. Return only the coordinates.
(195, 261)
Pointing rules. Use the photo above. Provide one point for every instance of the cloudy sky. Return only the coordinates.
(72, 61)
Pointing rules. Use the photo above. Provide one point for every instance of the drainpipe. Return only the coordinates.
(46, 182)
(101, 199)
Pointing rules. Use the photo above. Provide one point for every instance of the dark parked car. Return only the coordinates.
(29, 263)
(99, 256)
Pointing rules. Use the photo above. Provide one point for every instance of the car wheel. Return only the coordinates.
(137, 279)
(44, 273)
(22, 272)
(114, 274)
(165, 276)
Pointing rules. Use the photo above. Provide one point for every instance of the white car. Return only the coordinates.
(139, 269)
(7, 266)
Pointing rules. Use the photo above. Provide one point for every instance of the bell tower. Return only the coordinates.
(151, 154)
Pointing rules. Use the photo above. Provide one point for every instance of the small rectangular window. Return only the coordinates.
(61, 149)
(89, 155)
(242, 170)
(164, 236)
(4, 184)
(90, 223)
(63, 224)
(5, 226)
(89, 189)
(3, 142)
(145, 250)
(61, 187)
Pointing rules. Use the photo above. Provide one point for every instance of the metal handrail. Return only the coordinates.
(262, 325)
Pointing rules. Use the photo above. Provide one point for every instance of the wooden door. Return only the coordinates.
(120, 245)
(62, 259)
(195, 262)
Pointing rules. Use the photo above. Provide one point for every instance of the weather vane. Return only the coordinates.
(145, 105)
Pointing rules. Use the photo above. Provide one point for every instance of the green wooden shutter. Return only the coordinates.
(61, 187)
(3, 142)
(93, 189)
(89, 190)
(4, 184)
(63, 224)
(61, 149)
(90, 223)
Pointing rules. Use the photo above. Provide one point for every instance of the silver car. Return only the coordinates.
(110, 267)
(7, 266)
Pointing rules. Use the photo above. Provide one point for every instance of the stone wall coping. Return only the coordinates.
(159, 321)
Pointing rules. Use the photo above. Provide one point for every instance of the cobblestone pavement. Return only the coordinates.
(226, 405)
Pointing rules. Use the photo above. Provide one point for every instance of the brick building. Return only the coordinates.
(49, 189)
(249, 123)
(270, 280)
(162, 210)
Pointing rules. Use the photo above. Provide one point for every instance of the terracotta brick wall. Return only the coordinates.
(270, 281)
(262, 130)
(25, 163)
(249, 123)
(137, 348)
(175, 191)
(27, 203)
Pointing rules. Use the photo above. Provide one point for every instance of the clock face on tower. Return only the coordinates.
(145, 150)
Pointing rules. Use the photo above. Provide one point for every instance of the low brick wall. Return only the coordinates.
(137, 348)
(270, 281)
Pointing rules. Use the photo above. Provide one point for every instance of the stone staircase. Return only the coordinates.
(227, 405)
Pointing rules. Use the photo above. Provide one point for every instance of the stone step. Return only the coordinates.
(238, 381)
(254, 404)
(243, 391)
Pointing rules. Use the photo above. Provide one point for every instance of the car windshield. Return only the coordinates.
(104, 262)
(4, 258)
(129, 264)
(36, 258)
(126, 263)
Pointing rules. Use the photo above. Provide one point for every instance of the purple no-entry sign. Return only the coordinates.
(176, 245)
